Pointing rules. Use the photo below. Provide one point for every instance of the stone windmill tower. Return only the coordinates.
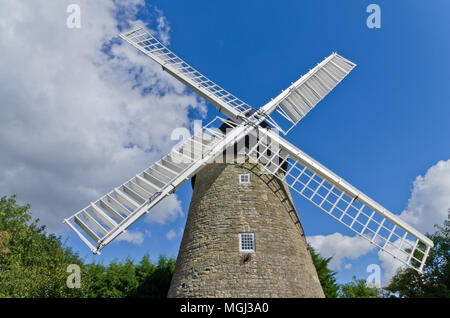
(243, 237)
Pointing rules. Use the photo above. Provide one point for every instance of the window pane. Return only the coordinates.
(247, 242)
(244, 178)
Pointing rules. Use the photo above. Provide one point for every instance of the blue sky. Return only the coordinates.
(386, 124)
(382, 126)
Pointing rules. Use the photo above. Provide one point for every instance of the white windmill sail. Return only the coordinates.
(103, 220)
(302, 96)
(341, 200)
(224, 101)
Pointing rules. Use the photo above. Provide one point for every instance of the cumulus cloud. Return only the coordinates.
(340, 247)
(430, 198)
(171, 234)
(82, 111)
(169, 209)
(132, 237)
(390, 266)
(427, 206)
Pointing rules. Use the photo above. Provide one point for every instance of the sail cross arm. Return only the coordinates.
(225, 102)
(105, 219)
(342, 201)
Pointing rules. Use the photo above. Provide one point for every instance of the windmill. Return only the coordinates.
(269, 167)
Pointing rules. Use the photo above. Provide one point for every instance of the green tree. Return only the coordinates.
(435, 280)
(327, 277)
(358, 288)
(125, 279)
(32, 263)
(118, 280)
(154, 280)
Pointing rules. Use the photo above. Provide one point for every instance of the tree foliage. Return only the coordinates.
(125, 279)
(435, 280)
(326, 276)
(34, 264)
(358, 288)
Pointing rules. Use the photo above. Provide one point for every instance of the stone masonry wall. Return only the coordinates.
(209, 262)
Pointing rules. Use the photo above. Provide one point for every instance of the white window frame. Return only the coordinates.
(244, 175)
(252, 236)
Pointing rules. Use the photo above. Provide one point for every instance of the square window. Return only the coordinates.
(247, 242)
(244, 178)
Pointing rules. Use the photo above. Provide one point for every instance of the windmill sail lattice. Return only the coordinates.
(341, 200)
(109, 216)
(224, 101)
(103, 220)
(302, 96)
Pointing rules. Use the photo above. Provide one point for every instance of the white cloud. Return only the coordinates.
(80, 113)
(430, 198)
(169, 209)
(428, 205)
(132, 237)
(171, 234)
(343, 247)
(390, 266)
(163, 28)
(340, 247)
